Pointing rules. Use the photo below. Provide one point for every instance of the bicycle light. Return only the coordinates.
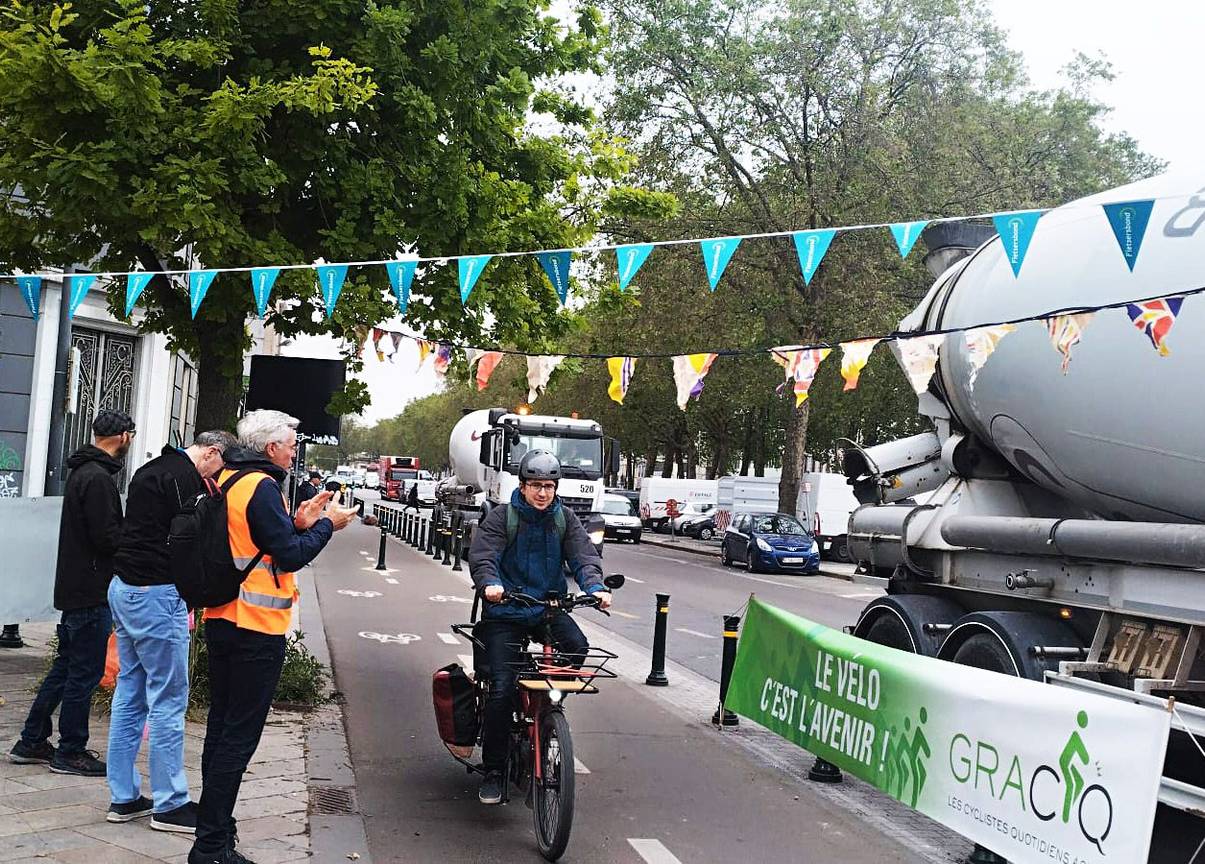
(555, 696)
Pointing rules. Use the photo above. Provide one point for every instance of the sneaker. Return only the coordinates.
(31, 754)
(182, 820)
(130, 811)
(491, 788)
(226, 856)
(85, 764)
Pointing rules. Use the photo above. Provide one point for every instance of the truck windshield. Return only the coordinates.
(403, 474)
(580, 457)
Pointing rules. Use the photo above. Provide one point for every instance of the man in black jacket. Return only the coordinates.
(152, 638)
(89, 533)
(310, 488)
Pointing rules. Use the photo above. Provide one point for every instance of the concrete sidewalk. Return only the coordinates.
(47, 817)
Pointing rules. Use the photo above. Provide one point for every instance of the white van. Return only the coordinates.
(656, 491)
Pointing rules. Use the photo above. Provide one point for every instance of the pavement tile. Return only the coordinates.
(50, 780)
(103, 855)
(272, 852)
(62, 817)
(32, 844)
(259, 788)
(137, 837)
(278, 805)
(9, 786)
(267, 827)
(279, 768)
(96, 795)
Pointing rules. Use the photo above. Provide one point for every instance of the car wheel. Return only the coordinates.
(840, 550)
(751, 560)
(636, 539)
(725, 557)
(706, 533)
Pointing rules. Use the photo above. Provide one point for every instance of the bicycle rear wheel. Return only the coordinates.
(553, 794)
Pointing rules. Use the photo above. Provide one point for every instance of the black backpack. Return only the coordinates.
(198, 542)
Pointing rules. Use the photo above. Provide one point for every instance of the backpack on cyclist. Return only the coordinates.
(455, 709)
(198, 543)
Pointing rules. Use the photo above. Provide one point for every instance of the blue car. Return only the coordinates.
(769, 542)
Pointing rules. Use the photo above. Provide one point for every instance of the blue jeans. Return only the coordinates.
(83, 636)
(152, 644)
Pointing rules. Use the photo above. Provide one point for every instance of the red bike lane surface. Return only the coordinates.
(645, 773)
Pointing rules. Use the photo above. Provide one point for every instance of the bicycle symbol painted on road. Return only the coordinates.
(445, 598)
(389, 638)
(351, 593)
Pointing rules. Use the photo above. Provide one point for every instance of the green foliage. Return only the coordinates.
(303, 678)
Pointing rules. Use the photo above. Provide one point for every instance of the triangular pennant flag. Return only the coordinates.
(1155, 318)
(630, 258)
(471, 356)
(377, 335)
(401, 274)
(717, 252)
(198, 286)
(539, 370)
(799, 364)
(380, 355)
(262, 280)
(918, 356)
(135, 284)
(397, 342)
(80, 286)
(1066, 331)
(330, 280)
(1016, 230)
(443, 356)
(31, 292)
(469, 269)
(981, 342)
(1128, 220)
(854, 356)
(486, 364)
(689, 372)
(621, 369)
(810, 246)
(906, 235)
(424, 351)
(556, 266)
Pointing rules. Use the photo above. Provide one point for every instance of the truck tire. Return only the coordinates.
(890, 631)
(839, 549)
(985, 651)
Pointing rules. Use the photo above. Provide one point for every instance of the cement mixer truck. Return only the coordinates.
(1064, 537)
(484, 450)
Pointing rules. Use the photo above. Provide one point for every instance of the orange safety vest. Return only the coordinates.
(266, 598)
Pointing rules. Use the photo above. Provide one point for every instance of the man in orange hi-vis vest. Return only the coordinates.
(246, 637)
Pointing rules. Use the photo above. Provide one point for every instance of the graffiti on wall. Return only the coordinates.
(10, 461)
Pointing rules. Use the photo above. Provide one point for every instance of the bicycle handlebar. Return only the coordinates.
(565, 604)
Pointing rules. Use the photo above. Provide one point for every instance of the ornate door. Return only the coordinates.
(106, 380)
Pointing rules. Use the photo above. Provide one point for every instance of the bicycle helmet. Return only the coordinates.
(539, 465)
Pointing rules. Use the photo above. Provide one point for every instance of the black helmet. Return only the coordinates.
(539, 465)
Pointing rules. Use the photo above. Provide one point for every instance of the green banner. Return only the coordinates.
(1031, 771)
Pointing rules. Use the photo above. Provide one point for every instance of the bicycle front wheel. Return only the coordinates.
(553, 791)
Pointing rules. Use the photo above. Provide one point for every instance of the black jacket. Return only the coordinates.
(157, 492)
(306, 491)
(89, 531)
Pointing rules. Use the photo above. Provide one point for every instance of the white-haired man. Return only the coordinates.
(246, 637)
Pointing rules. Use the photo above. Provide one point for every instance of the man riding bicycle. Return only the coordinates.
(525, 547)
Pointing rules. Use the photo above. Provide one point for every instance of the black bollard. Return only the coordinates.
(405, 527)
(657, 675)
(436, 536)
(381, 551)
(10, 636)
(412, 533)
(447, 536)
(732, 625)
(397, 524)
(982, 855)
(824, 772)
(422, 535)
(459, 543)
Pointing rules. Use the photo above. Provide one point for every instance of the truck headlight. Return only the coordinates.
(764, 546)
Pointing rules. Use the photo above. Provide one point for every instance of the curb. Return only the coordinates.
(336, 825)
(681, 547)
(858, 578)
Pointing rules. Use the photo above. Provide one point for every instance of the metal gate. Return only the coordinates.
(106, 380)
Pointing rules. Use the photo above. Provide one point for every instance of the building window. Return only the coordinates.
(182, 426)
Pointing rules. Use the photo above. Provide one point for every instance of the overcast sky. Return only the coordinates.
(1155, 51)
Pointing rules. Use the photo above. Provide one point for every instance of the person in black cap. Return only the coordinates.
(89, 533)
(309, 488)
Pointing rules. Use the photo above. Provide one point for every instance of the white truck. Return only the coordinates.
(824, 505)
(736, 494)
(1064, 540)
(656, 491)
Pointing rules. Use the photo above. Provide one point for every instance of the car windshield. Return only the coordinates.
(403, 474)
(778, 525)
(618, 508)
(580, 457)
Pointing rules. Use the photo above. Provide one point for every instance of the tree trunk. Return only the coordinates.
(759, 459)
(794, 450)
(219, 375)
(650, 462)
(631, 472)
(671, 457)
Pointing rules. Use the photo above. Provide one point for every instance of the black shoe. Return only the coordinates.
(182, 820)
(130, 811)
(31, 754)
(85, 764)
(226, 856)
(491, 788)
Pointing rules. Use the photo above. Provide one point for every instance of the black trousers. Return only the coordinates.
(499, 638)
(244, 668)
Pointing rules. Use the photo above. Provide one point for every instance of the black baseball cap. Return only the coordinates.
(110, 422)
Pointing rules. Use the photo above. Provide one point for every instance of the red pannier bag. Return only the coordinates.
(455, 709)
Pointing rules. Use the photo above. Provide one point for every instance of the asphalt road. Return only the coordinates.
(655, 784)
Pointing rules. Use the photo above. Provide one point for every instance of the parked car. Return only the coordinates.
(619, 517)
(632, 495)
(702, 528)
(691, 513)
(359, 478)
(770, 541)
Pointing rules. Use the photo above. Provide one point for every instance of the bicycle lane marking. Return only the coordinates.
(690, 632)
(448, 638)
(653, 851)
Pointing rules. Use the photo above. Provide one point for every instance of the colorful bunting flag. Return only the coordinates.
(135, 284)
(397, 342)
(906, 234)
(31, 292)
(854, 356)
(556, 266)
(377, 335)
(401, 274)
(1128, 220)
(198, 286)
(1066, 331)
(810, 246)
(469, 269)
(800, 365)
(539, 370)
(630, 258)
(621, 369)
(330, 280)
(487, 362)
(81, 284)
(262, 281)
(1155, 318)
(443, 356)
(981, 343)
(717, 252)
(1016, 230)
(918, 355)
(689, 372)
(424, 350)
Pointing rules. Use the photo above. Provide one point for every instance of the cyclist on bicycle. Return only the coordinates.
(529, 555)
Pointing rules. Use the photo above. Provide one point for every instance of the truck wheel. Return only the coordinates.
(840, 550)
(985, 651)
(890, 631)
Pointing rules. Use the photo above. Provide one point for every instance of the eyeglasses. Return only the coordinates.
(548, 488)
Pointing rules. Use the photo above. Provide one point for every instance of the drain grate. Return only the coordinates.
(332, 800)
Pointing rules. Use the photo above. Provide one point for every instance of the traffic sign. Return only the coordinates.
(671, 508)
